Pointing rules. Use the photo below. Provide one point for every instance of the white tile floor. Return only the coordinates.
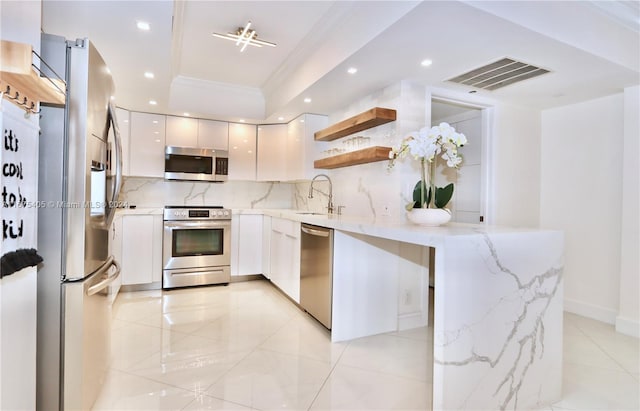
(245, 346)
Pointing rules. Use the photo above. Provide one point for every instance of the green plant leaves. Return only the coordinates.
(417, 194)
(443, 195)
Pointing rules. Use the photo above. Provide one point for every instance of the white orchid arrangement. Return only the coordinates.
(427, 145)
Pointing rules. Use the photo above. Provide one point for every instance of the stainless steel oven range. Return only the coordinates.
(196, 246)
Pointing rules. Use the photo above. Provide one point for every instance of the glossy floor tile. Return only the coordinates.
(246, 346)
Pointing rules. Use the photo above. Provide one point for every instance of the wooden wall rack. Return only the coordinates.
(368, 119)
(22, 82)
(363, 156)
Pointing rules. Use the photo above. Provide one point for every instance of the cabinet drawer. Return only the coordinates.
(287, 227)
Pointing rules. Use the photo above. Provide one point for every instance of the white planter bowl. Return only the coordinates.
(430, 217)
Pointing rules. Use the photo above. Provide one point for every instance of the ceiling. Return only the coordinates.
(589, 56)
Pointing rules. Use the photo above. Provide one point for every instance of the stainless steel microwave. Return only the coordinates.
(195, 164)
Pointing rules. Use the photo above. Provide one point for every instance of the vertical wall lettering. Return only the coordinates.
(13, 176)
(18, 178)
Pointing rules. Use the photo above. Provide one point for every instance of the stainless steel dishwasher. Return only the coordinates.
(316, 271)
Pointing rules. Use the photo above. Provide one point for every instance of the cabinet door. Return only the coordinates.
(213, 134)
(146, 144)
(137, 249)
(182, 131)
(266, 246)
(285, 256)
(156, 262)
(250, 245)
(302, 149)
(272, 152)
(295, 148)
(242, 152)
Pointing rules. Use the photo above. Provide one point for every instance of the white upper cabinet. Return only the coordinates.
(272, 152)
(146, 145)
(301, 148)
(182, 131)
(213, 134)
(242, 152)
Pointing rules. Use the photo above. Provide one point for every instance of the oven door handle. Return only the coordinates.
(200, 224)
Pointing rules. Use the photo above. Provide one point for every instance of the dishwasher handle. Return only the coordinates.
(314, 231)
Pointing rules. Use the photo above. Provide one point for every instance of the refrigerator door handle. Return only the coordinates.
(117, 184)
(96, 288)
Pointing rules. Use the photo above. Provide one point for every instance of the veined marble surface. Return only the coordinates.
(497, 312)
(140, 211)
(157, 192)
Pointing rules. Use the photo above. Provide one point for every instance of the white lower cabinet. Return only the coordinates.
(246, 244)
(285, 256)
(266, 246)
(138, 248)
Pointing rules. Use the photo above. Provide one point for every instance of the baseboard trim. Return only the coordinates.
(412, 320)
(590, 311)
(628, 326)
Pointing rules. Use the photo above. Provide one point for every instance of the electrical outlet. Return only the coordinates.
(407, 297)
(386, 212)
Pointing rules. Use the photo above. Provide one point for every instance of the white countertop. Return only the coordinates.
(140, 211)
(382, 227)
(387, 227)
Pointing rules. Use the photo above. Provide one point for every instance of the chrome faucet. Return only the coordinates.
(330, 205)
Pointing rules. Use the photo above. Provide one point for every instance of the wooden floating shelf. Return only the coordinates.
(366, 155)
(371, 118)
(17, 72)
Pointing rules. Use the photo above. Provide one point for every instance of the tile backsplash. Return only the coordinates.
(157, 192)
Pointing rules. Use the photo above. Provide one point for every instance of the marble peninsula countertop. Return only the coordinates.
(387, 227)
(497, 332)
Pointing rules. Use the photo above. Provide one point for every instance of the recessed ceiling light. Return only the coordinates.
(242, 120)
(186, 114)
(143, 25)
(307, 100)
(153, 102)
(352, 70)
(280, 118)
(149, 74)
(426, 63)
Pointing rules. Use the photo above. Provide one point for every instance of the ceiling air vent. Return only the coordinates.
(498, 74)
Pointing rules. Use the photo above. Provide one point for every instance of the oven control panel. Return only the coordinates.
(196, 213)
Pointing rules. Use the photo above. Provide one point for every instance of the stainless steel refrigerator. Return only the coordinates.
(79, 182)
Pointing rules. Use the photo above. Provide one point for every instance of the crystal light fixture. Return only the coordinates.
(245, 36)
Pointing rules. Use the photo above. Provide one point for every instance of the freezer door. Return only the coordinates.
(87, 337)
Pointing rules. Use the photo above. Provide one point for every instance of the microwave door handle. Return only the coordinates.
(117, 184)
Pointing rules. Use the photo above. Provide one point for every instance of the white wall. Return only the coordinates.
(515, 146)
(581, 191)
(19, 22)
(628, 320)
